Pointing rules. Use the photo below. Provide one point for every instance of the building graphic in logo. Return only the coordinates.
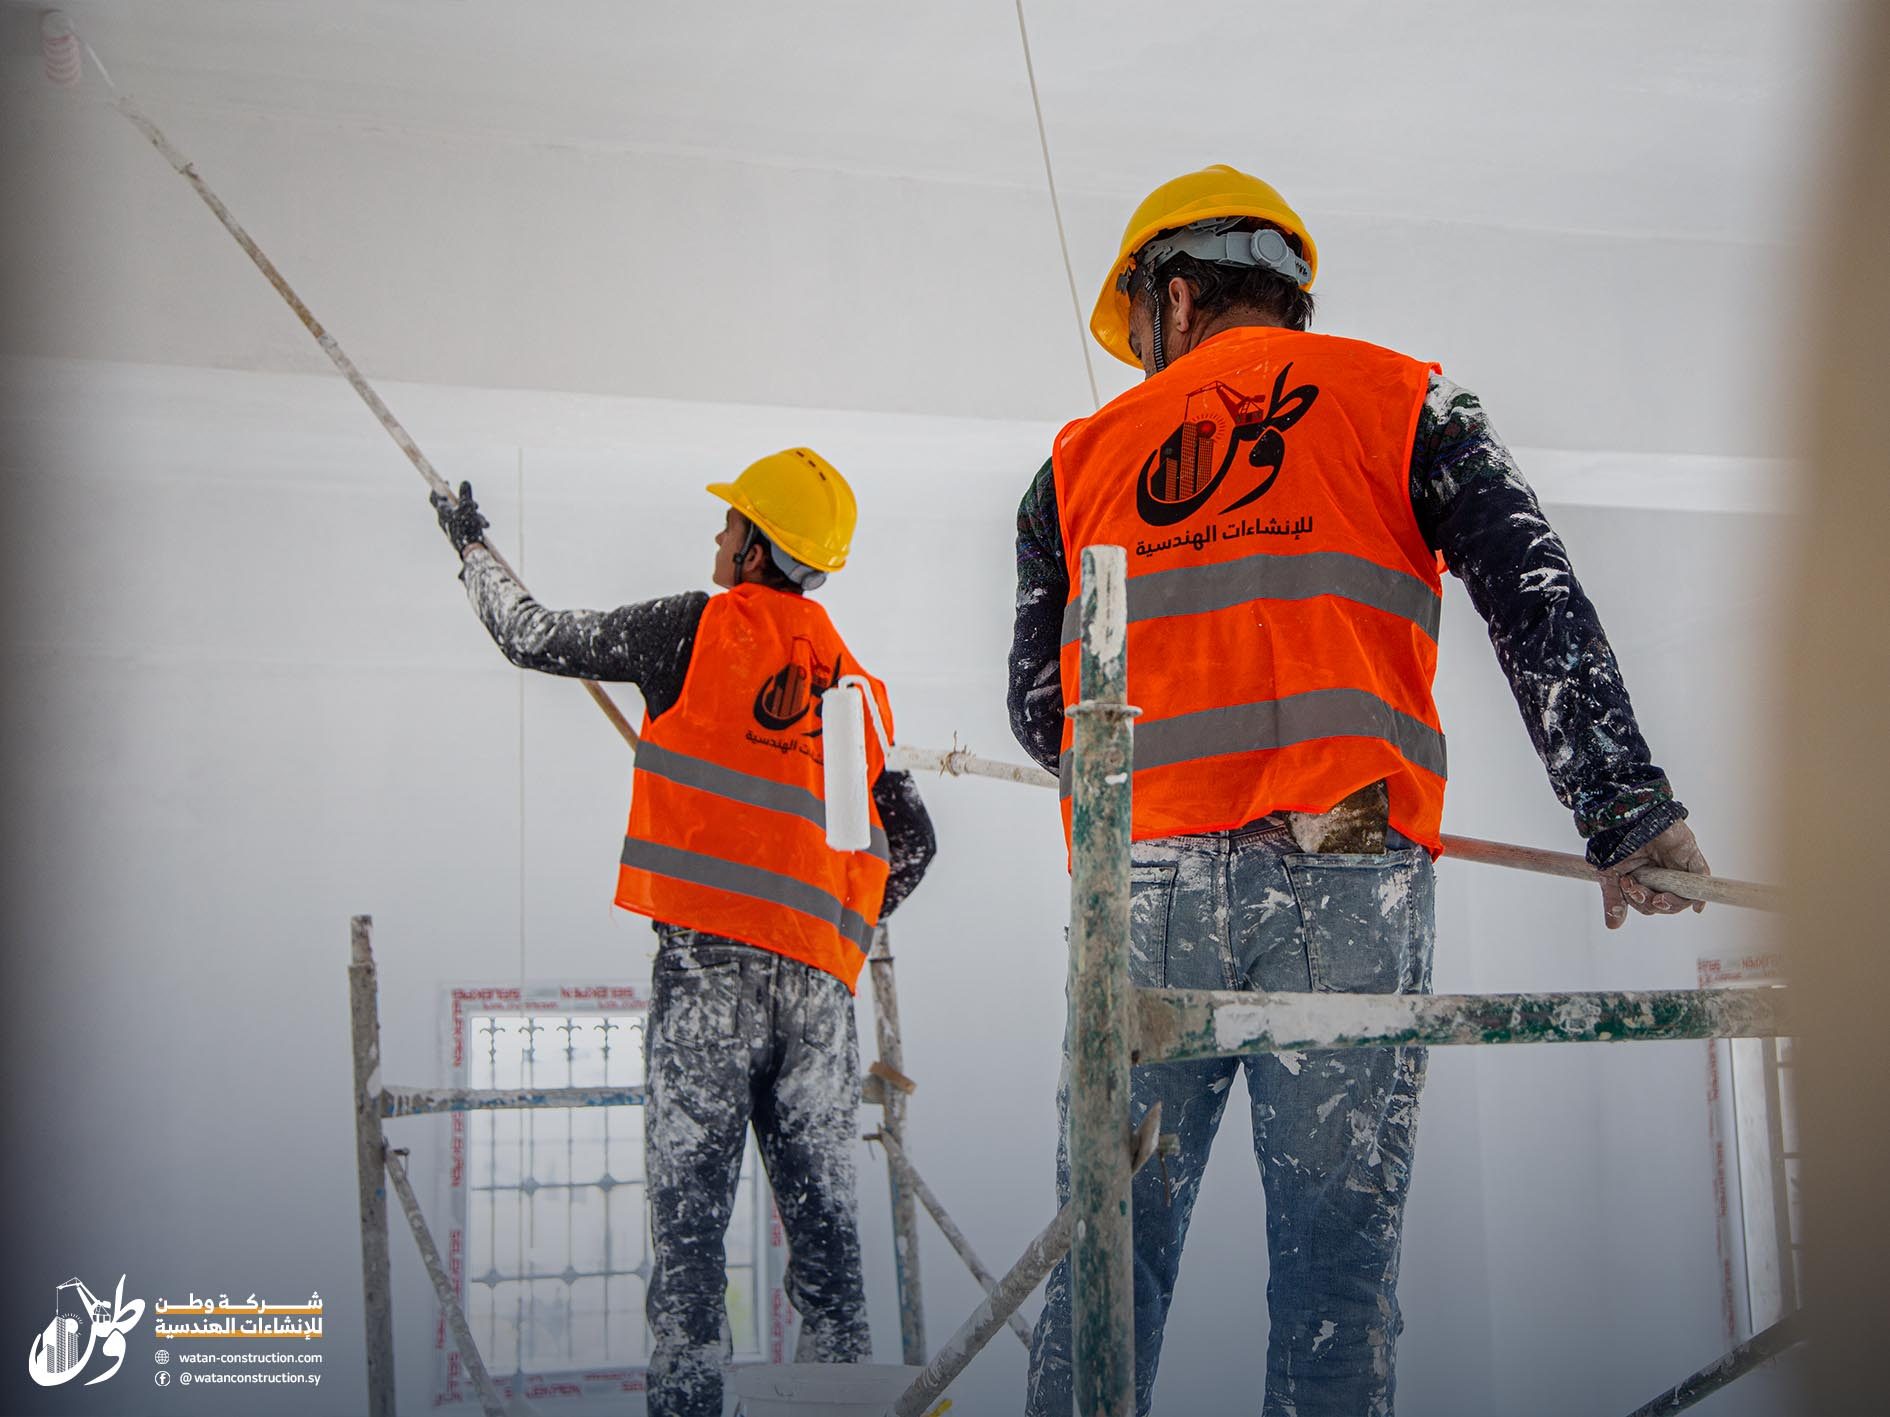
(787, 695)
(81, 1320)
(1180, 476)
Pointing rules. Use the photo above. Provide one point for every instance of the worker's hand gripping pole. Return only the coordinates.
(1101, 997)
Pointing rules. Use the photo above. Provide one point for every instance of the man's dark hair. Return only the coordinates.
(1218, 288)
(772, 575)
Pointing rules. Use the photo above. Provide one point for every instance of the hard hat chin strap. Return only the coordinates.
(1158, 357)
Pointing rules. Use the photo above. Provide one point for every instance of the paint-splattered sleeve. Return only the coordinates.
(1475, 508)
(909, 835)
(1035, 697)
(647, 644)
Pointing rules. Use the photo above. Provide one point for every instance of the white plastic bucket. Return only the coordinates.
(832, 1389)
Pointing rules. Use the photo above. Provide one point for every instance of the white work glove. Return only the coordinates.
(1676, 850)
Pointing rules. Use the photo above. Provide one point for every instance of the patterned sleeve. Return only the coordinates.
(909, 834)
(646, 644)
(1043, 586)
(1475, 508)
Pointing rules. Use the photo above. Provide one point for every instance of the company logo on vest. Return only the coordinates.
(1180, 476)
(793, 689)
(80, 1320)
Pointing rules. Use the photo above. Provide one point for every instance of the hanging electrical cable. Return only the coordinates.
(1056, 209)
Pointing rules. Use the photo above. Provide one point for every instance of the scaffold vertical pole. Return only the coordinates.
(905, 1220)
(370, 1146)
(1101, 999)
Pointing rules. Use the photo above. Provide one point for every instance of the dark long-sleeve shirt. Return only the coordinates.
(649, 645)
(1474, 507)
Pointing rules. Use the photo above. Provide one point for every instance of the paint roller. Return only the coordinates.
(63, 53)
(843, 712)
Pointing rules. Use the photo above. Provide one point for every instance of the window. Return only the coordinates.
(549, 1244)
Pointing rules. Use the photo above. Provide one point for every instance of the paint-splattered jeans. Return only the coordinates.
(1333, 1131)
(739, 1035)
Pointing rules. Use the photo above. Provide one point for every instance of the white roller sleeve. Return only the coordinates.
(843, 731)
(843, 739)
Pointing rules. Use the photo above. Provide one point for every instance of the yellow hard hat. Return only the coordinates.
(801, 503)
(1217, 191)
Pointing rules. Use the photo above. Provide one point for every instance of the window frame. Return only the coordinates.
(463, 1005)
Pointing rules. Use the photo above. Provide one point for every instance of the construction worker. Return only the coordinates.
(1288, 500)
(762, 927)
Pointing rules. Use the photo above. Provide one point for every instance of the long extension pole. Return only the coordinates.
(1714, 890)
(330, 346)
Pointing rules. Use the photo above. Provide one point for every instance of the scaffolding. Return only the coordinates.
(1114, 1028)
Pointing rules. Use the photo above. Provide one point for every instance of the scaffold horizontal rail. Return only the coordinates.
(1175, 1024)
(419, 1101)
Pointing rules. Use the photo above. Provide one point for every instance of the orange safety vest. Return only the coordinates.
(1283, 605)
(728, 814)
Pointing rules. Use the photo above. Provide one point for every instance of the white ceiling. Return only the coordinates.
(1675, 116)
(1449, 127)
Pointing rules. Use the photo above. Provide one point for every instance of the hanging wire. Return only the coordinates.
(521, 747)
(1056, 209)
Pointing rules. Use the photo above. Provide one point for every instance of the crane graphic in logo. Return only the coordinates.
(80, 1320)
(788, 694)
(1180, 476)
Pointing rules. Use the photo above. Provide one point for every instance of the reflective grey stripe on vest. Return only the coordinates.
(1197, 590)
(743, 787)
(1279, 723)
(739, 878)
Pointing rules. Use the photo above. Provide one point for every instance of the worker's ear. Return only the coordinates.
(1180, 305)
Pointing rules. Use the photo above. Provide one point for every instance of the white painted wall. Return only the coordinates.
(247, 699)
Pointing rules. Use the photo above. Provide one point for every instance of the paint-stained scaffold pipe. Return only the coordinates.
(419, 1101)
(1039, 1258)
(1102, 1283)
(1761, 1348)
(490, 1399)
(898, 1161)
(370, 1145)
(960, 762)
(892, 1101)
(1177, 1024)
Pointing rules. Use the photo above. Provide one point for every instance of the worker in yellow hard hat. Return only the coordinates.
(1288, 500)
(762, 925)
